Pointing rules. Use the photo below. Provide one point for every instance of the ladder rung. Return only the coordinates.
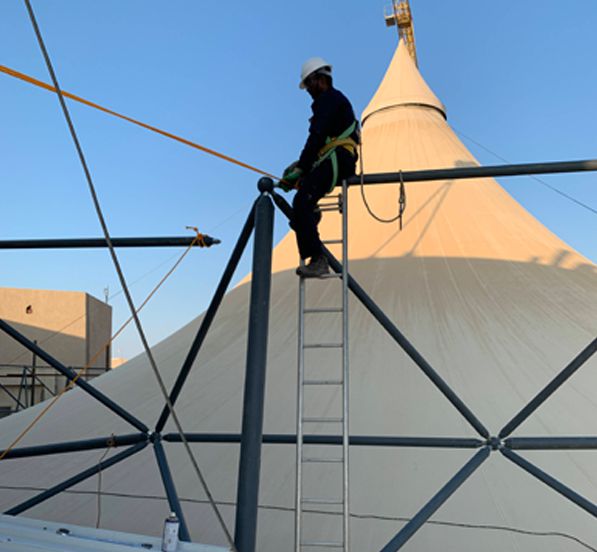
(329, 200)
(331, 241)
(322, 382)
(330, 275)
(312, 420)
(322, 345)
(322, 460)
(328, 501)
(322, 309)
(324, 544)
(325, 208)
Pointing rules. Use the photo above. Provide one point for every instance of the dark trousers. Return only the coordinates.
(313, 186)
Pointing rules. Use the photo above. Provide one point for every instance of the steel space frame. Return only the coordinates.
(260, 222)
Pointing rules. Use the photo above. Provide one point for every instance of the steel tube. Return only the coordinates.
(91, 243)
(75, 446)
(354, 440)
(22, 386)
(549, 389)
(27, 370)
(33, 363)
(172, 495)
(37, 379)
(551, 482)
(209, 316)
(254, 392)
(49, 493)
(435, 503)
(12, 396)
(551, 443)
(389, 326)
(477, 172)
(72, 376)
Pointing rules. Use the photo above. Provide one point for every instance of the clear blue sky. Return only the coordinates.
(518, 78)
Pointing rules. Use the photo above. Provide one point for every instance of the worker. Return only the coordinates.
(328, 157)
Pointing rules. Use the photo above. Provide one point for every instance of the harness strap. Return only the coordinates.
(346, 143)
(329, 151)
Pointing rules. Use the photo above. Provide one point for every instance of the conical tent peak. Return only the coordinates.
(402, 85)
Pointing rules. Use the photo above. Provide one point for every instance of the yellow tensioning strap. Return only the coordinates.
(49, 87)
(199, 238)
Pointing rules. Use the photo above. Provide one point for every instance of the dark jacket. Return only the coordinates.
(332, 115)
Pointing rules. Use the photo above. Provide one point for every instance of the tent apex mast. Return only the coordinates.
(399, 14)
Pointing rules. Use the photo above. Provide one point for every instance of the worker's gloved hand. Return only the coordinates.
(290, 168)
(291, 176)
(285, 186)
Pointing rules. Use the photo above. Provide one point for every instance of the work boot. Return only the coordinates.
(317, 268)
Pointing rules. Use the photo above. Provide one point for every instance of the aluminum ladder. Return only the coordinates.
(311, 464)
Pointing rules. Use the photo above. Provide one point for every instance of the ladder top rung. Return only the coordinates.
(322, 345)
(332, 241)
(319, 310)
(315, 420)
(323, 382)
(322, 460)
(329, 200)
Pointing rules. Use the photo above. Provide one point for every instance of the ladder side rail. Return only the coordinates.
(299, 416)
(345, 366)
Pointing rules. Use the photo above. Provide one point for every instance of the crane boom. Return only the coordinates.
(399, 14)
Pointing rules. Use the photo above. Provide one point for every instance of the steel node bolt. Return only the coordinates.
(495, 443)
(265, 184)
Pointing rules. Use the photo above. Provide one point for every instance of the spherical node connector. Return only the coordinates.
(265, 184)
(495, 443)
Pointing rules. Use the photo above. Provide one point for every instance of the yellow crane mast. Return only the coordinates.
(399, 14)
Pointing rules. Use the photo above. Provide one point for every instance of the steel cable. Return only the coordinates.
(550, 186)
(121, 274)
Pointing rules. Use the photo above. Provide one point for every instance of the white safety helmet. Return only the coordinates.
(314, 64)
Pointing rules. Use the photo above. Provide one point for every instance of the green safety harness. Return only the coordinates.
(329, 151)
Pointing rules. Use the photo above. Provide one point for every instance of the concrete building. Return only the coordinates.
(72, 326)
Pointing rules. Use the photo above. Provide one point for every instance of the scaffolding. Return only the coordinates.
(26, 385)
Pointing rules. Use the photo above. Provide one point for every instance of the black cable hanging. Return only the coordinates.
(401, 200)
(401, 197)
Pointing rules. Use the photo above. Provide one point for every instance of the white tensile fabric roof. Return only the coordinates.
(495, 302)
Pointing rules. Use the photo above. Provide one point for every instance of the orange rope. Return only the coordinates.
(49, 87)
(83, 370)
